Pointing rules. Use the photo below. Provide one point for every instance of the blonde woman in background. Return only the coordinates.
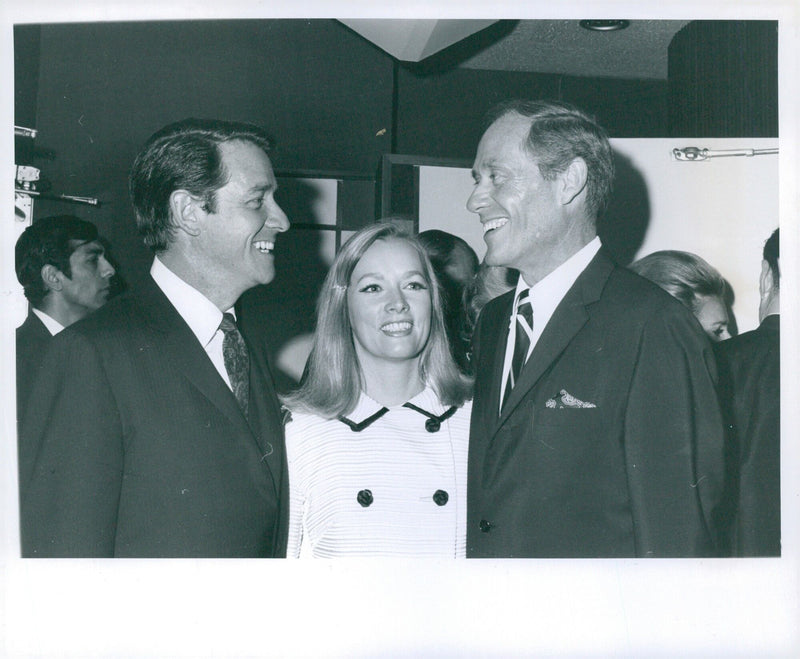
(695, 283)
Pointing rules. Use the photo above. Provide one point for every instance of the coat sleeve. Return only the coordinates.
(71, 456)
(296, 498)
(674, 440)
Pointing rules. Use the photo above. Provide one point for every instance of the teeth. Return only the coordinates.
(263, 246)
(396, 327)
(494, 224)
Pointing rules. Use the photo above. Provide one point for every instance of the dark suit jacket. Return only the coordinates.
(749, 368)
(143, 450)
(638, 474)
(33, 338)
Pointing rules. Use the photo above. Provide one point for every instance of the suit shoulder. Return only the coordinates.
(121, 315)
(747, 345)
(640, 296)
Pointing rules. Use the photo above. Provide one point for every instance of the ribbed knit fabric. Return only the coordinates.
(393, 489)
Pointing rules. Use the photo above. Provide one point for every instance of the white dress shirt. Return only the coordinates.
(545, 295)
(52, 325)
(200, 314)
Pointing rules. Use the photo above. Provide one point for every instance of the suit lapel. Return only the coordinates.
(492, 348)
(567, 320)
(265, 419)
(182, 351)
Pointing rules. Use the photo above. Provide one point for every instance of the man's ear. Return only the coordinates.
(52, 277)
(573, 180)
(186, 211)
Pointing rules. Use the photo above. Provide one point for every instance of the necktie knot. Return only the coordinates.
(228, 323)
(237, 360)
(525, 308)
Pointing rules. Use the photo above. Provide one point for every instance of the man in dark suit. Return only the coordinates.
(62, 267)
(750, 390)
(161, 434)
(596, 430)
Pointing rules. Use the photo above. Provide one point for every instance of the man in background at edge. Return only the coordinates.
(609, 442)
(159, 435)
(62, 267)
(750, 391)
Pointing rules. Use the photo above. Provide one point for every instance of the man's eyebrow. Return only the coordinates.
(266, 187)
(95, 249)
(486, 164)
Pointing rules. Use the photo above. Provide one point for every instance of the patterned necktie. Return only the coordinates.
(522, 340)
(237, 360)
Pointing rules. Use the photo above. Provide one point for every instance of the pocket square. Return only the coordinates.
(564, 400)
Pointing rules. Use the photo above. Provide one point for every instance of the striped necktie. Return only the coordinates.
(522, 340)
(237, 360)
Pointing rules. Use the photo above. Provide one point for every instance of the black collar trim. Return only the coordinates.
(358, 427)
(434, 423)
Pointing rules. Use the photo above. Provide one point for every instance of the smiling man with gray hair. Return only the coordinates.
(595, 429)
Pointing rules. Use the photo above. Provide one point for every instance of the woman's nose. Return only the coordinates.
(397, 302)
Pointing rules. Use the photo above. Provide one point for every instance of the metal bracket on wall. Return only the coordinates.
(26, 186)
(695, 154)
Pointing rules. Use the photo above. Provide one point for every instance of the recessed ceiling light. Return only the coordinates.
(604, 25)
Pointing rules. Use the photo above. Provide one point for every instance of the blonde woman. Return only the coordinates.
(377, 443)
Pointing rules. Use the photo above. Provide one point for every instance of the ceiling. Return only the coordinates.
(563, 47)
(539, 46)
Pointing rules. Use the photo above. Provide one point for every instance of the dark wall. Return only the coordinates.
(26, 74)
(724, 79)
(323, 92)
(440, 114)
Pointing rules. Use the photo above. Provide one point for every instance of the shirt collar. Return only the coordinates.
(52, 325)
(200, 314)
(549, 291)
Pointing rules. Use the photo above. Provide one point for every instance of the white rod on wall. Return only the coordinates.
(695, 154)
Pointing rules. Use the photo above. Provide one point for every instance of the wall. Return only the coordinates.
(724, 79)
(440, 113)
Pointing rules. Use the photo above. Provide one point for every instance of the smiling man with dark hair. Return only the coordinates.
(163, 436)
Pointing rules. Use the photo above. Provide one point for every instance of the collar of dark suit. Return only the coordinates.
(771, 322)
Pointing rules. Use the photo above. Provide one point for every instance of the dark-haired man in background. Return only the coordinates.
(62, 267)
(163, 433)
(596, 430)
(750, 390)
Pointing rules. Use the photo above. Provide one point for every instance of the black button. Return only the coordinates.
(440, 497)
(486, 526)
(365, 498)
(432, 425)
